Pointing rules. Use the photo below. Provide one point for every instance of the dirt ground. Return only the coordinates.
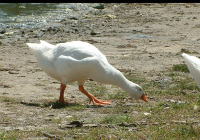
(141, 38)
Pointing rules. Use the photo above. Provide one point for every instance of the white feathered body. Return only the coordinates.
(193, 64)
(77, 61)
(73, 61)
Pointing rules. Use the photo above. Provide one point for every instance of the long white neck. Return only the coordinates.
(120, 80)
(115, 77)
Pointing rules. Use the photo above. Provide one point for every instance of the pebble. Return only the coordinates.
(2, 31)
(93, 32)
(195, 107)
(100, 6)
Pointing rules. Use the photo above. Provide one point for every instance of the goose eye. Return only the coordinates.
(140, 89)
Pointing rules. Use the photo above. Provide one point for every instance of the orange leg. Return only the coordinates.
(94, 100)
(62, 91)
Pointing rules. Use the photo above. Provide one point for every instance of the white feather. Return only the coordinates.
(193, 64)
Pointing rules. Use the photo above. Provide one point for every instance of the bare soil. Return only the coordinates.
(139, 38)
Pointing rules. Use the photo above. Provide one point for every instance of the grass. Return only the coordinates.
(66, 106)
(119, 95)
(39, 84)
(9, 100)
(180, 67)
(169, 114)
(174, 132)
(18, 134)
(97, 89)
(116, 119)
(188, 51)
(106, 133)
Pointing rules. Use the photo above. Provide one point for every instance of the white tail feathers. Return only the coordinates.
(193, 64)
(34, 46)
(46, 44)
(43, 46)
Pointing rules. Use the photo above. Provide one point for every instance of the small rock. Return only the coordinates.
(146, 113)
(63, 20)
(137, 13)
(195, 107)
(100, 6)
(2, 31)
(73, 18)
(187, 6)
(43, 30)
(151, 57)
(69, 117)
(76, 123)
(11, 72)
(93, 33)
(73, 124)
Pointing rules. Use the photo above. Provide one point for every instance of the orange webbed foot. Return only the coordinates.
(98, 102)
(94, 100)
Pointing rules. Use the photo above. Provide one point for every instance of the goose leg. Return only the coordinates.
(62, 90)
(94, 100)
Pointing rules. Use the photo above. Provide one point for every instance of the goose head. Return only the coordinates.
(136, 91)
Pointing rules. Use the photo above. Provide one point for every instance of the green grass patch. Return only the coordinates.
(39, 84)
(135, 77)
(19, 134)
(180, 68)
(97, 89)
(9, 100)
(120, 95)
(174, 131)
(77, 107)
(115, 119)
(183, 82)
(104, 133)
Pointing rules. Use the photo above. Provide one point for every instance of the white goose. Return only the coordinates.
(77, 61)
(193, 64)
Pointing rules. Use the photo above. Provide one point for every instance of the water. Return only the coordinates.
(139, 36)
(37, 15)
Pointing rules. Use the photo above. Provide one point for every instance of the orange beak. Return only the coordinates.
(144, 98)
